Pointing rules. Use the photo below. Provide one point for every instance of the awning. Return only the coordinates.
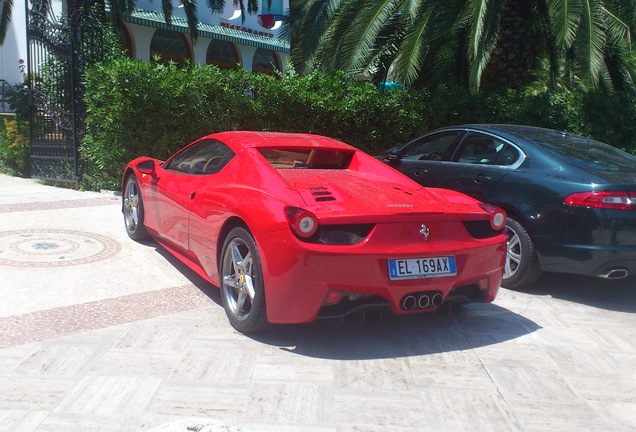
(157, 20)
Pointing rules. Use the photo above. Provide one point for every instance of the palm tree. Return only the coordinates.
(476, 42)
(121, 8)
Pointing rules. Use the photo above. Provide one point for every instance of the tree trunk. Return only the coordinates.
(516, 46)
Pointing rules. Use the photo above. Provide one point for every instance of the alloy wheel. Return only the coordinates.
(239, 279)
(513, 254)
(131, 205)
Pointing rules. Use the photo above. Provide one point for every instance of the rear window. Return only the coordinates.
(584, 152)
(307, 158)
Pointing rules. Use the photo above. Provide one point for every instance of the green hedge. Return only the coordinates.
(137, 108)
(14, 146)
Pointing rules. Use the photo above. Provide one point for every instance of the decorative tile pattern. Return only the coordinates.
(54, 205)
(52, 323)
(54, 248)
(149, 348)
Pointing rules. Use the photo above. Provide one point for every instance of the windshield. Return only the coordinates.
(307, 158)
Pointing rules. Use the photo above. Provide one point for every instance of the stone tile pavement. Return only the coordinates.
(100, 333)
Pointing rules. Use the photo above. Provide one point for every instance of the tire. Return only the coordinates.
(522, 266)
(242, 289)
(133, 210)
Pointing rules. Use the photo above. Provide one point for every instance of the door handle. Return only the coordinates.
(419, 172)
(192, 195)
(481, 178)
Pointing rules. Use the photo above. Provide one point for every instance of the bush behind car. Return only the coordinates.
(137, 108)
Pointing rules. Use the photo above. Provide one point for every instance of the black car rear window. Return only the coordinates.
(307, 158)
(583, 152)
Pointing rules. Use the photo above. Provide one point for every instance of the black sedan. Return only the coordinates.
(571, 201)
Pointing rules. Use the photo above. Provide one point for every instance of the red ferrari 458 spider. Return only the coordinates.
(295, 227)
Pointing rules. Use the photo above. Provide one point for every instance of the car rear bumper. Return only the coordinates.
(591, 260)
(305, 281)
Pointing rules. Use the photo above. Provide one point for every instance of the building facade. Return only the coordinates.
(226, 38)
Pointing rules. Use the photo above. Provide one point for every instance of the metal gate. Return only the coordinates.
(58, 51)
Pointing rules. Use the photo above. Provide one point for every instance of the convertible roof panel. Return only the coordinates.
(240, 140)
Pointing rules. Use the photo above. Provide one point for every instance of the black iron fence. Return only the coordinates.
(57, 55)
(6, 90)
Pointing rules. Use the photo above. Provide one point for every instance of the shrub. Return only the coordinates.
(137, 108)
(14, 146)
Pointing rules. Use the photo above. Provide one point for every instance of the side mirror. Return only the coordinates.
(393, 154)
(146, 167)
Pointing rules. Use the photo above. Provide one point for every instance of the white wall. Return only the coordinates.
(14, 48)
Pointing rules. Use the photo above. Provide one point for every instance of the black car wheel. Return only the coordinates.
(134, 210)
(522, 266)
(242, 291)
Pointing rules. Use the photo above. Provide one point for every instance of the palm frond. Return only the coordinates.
(592, 39)
(565, 16)
(483, 39)
(309, 20)
(216, 5)
(190, 9)
(549, 38)
(620, 68)
(252, 7)
(6, 10)
(478, 16)
(364, 31)
(166, 7)
(413, 47)
(330, 54)
(617, 29)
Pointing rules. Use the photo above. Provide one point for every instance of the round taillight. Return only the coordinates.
(303, 222)
(498, 220)
(497, 216)
(307, 225)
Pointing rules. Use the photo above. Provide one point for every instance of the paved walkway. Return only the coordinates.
(100, 333)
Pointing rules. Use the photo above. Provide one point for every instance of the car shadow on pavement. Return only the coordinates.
(378, 335)
(206, 287)
(615, 295)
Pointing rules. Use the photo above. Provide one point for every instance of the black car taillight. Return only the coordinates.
(342, 234)
(492, 227)
(618, 200)
(480, 229)
(349, 234)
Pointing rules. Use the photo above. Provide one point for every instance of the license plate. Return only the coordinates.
(414, 268)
